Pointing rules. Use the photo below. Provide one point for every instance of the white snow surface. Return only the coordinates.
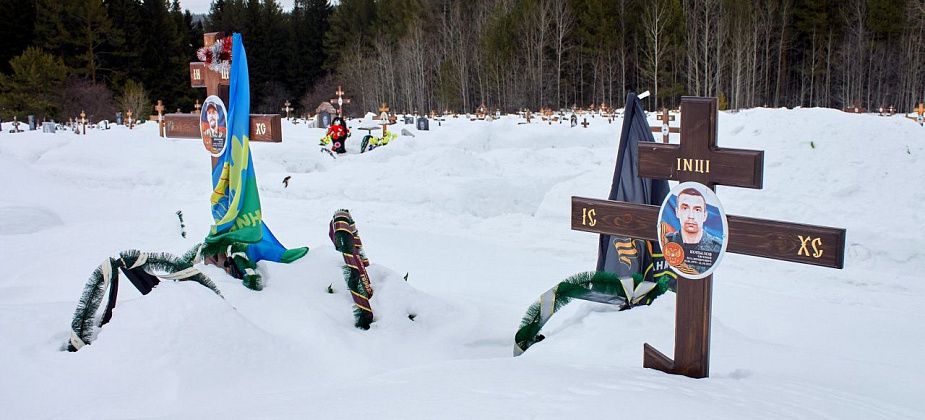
(478, 214)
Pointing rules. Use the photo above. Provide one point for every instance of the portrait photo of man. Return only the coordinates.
(213, 125)
(701, 249)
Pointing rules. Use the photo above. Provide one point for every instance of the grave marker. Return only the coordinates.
(584, 123)
(160, 117)
(665, 128)
(263, 127)
(31, 119)
(340, 101)
(699, 159)
(15, 125)
(83, 122)
(287, 108)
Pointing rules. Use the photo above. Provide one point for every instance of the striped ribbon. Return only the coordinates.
(346, 239)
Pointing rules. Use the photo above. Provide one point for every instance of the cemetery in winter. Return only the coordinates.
(406, 210)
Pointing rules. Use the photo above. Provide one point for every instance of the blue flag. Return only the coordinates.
(622, 255)
(235, 200)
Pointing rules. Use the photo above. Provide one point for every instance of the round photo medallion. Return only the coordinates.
(213, 124)
(692, 230)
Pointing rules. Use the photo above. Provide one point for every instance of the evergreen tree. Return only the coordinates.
(33, 86)
(76, 29)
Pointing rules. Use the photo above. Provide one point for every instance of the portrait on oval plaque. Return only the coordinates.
(213, 124)
(692, 230)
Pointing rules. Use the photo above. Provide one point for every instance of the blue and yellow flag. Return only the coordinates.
(235, 201)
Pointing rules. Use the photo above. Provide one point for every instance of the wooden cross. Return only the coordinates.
(83, 122)
(160, 117)
(197, 107)
(287, 108)
(699, 159)
(263, 127)
(15, 125)
(584, 123)
(665, 128)
(131, 121)
(340, 101)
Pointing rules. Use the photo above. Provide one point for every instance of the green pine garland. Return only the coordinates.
(347, 241)
(106, 276)
(607, 288)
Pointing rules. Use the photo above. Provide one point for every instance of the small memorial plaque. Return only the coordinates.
(423, 124)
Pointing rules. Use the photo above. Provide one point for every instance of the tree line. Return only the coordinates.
(421, 55)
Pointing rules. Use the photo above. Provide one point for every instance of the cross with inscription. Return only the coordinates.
(665, 128)
(263, 127)
(699, 159)
(341, 101)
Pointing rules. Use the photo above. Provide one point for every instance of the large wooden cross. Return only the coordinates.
(263, 127)
(665, 128)
(699, 159)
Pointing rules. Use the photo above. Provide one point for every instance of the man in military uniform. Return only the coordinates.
(700, 248)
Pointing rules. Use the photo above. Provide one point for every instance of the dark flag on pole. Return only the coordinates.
(622, 255)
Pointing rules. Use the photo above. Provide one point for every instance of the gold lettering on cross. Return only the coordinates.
(809, 241)
(587, 217)
(694, 165)
(225, 73)
(196, 74)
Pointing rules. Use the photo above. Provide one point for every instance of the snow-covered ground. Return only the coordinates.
(477, 214)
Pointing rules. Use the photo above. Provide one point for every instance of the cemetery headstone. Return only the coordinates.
(407, 119)
(31, 120)
(573, 120)
(698, 159)
(49, 127)
(103, 125)
(119, 120)
(423, 124)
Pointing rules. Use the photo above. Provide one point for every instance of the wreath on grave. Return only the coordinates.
(595, 286)
(218, 55)
(145, 270)
(343, 232)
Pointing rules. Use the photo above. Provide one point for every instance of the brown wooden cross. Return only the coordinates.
(340, 101)
(83, 122)
(197, 107)
(699, 159)
(665, 128)
(131, 121)
(287, 108)
(263, 127)
(160, 117)
(584, 123)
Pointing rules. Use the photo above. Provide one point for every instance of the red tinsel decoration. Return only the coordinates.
(221, 49)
